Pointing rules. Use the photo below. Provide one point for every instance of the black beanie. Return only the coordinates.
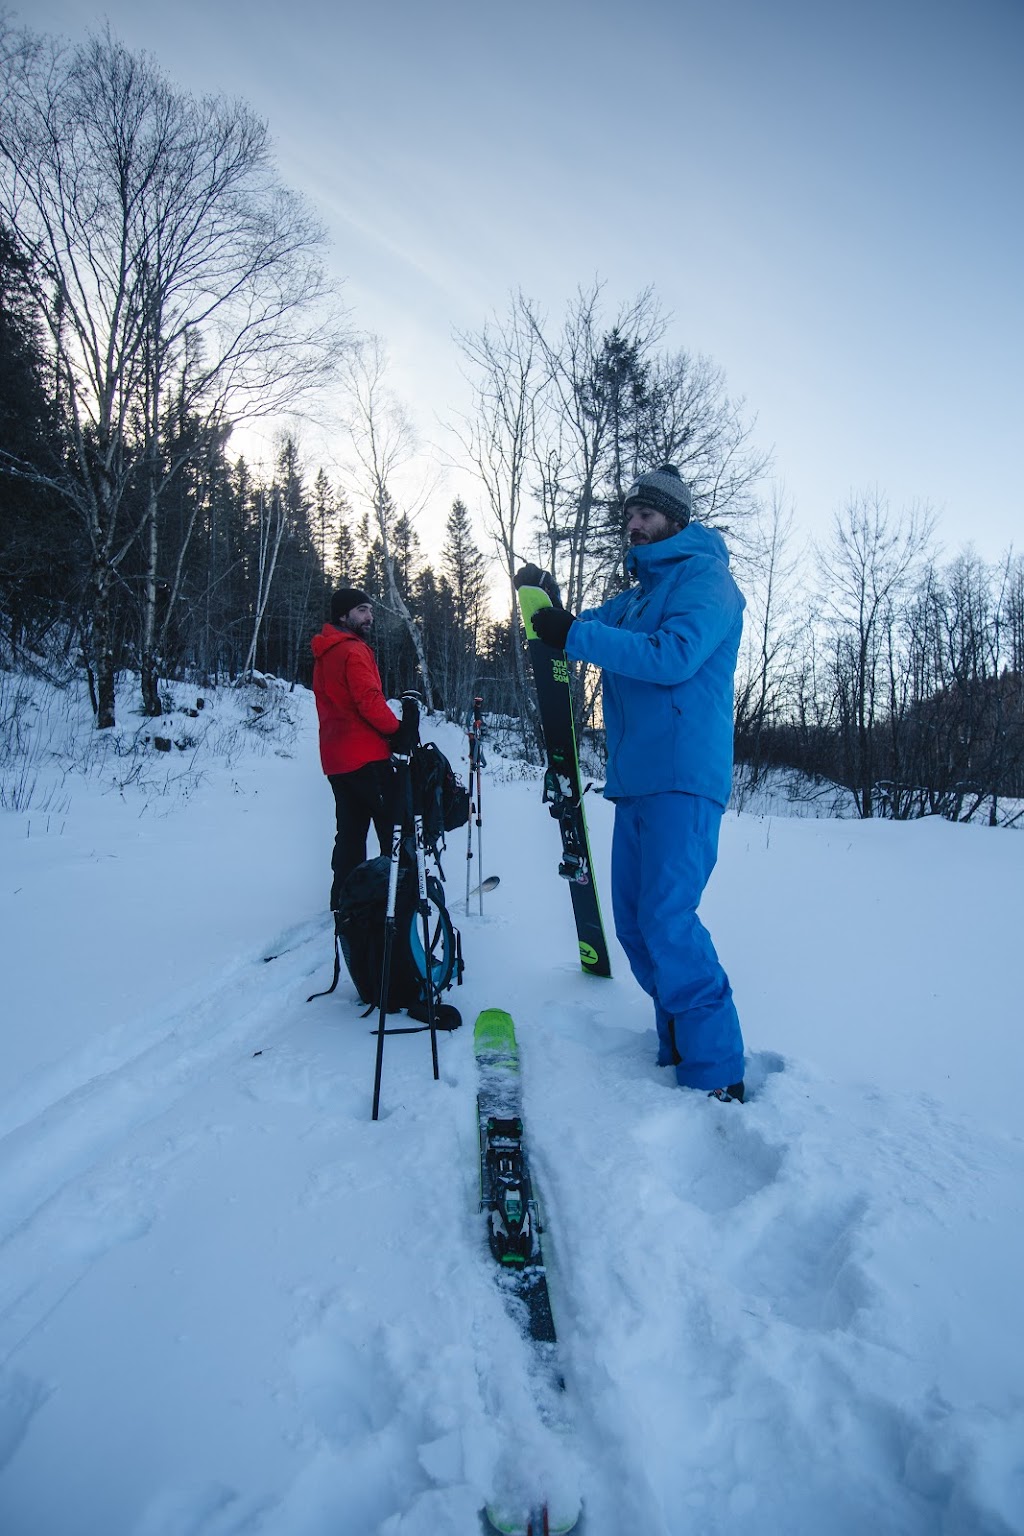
(665, 490)
(344, 600)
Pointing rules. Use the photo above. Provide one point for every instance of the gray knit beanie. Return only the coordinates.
(665, 490)
(344, 600)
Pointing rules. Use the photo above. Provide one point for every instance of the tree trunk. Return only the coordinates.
(148, 664)
(400, 606)
(102, 647)
(268, 565)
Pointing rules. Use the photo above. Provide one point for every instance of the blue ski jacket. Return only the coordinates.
(668, 650)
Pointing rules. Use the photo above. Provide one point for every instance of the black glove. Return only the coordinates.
(407, 735)
(533, 576)
(552, 625)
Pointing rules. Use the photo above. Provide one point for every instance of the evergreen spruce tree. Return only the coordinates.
(465, 571)
(42, 561)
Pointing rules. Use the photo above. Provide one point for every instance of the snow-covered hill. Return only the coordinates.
(232, 1305)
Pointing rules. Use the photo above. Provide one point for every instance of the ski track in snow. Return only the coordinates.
(99, 1168)
(231, 1305)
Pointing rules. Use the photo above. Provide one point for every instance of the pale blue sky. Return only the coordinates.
(827, 198)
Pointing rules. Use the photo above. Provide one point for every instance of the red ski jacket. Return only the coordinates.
(354, 715)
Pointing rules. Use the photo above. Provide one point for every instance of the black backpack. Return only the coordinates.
(360, 922)
(441, 795)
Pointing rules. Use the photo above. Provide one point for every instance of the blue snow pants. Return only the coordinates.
(663, 851)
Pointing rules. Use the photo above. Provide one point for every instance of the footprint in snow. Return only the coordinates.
(721, 1159)
(806, 1265)
(342, 1373)
(758, 1068)
(728, 1167)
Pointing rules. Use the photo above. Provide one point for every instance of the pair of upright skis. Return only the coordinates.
(563, 787)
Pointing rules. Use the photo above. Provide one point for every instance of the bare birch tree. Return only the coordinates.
(564, 419)
(589, 454)
(770, 634)
(866, 569)
(616, 405)
(498, 439)
(169, 257)
(271, 521)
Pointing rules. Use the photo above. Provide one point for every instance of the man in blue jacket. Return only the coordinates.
(667, 649)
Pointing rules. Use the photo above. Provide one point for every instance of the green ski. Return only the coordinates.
(514, 1228)
(563, 791)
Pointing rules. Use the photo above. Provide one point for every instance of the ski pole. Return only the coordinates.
(401, 797)
(478, 724)
(408, 815)
(471, 732)
(475, 766)
(416, 805)
(428, 948)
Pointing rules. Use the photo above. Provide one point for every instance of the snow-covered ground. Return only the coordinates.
(232, 1305)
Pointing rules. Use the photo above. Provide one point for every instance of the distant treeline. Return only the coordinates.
(876, 665)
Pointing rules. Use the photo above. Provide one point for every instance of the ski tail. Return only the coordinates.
(538, 1522)
(531, 600)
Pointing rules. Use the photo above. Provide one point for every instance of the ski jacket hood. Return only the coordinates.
(325, 641)
(668, 649)
(355, 720)
(648, 562)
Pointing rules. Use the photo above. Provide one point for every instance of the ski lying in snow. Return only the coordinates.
(514, 1228)
(563, 792)
(490, 884)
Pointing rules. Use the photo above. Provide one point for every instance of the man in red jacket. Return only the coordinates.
(357, 731)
